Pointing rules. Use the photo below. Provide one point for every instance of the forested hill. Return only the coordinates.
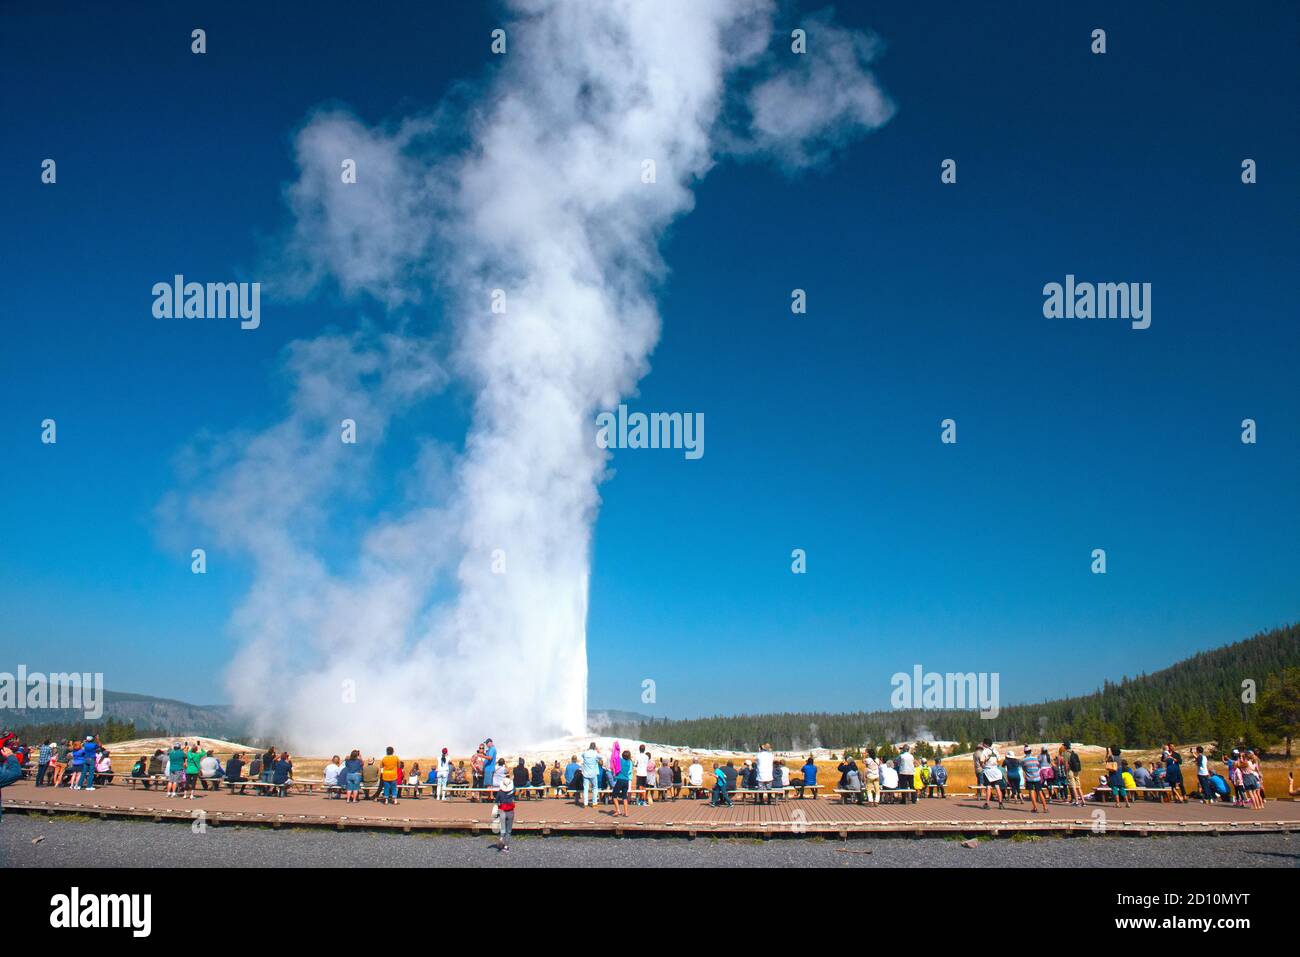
(1198, 699)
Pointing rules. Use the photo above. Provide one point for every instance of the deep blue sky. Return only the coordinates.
(821, 431)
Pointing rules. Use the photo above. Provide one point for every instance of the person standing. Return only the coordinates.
(351, 773)
(763, 765)
(78, 766)
(721, 785)
(991, 773)
(1032, 772)
(478, 765)
(938, 778)
(1203, 775)
(590, 775)
(642, 764)
(1072, 768)
(62, 758)
(175, 769)
(90, 749)
(1174, 777)
(193, 768)
(622, 781)
(444, 775)
(651, 778)
(505, 799)
(388, 775)
(906, 767)
(1011, 774)
(872, 768)
(42, 763)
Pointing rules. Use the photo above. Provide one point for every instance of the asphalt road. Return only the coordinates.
(139, 843)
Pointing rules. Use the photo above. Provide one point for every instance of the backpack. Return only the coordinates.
(1075, 766)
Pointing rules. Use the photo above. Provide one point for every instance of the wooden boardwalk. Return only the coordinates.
(821, 816)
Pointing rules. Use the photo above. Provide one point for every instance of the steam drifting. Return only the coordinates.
(535, 188)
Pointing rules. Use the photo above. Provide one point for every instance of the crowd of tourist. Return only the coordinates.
(621, 779)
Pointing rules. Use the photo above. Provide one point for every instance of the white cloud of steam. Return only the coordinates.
(541, 196)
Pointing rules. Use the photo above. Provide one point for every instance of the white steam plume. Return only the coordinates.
(537, 190)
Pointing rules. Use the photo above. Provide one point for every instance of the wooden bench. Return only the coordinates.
(1166, 795)
(1102, 792)
(887, 795)
(780, 793)
(147, 781)
(258, 786)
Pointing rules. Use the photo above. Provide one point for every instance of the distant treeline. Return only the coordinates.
(1198, 699)
(108, 729)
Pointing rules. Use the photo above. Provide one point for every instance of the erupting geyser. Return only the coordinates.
(535, 198)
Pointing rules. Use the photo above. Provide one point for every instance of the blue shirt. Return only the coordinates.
(810, 774)
(570, 770)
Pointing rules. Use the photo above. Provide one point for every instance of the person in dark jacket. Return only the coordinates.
(729, 771)
(281, 773)
(844, 767)
(235, 772)
(10, 771)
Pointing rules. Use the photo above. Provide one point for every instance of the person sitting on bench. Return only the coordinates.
(140, 771)
(210, 772)
(1141, 776)
(333, 786)
(157, 764)
(938, 779)
(695, 776)
(103, 768)
(281, 774)
(235, 773)
(370, 780)
(809, 779)
(889, 778)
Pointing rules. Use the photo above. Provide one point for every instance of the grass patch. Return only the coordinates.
(69, 818)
